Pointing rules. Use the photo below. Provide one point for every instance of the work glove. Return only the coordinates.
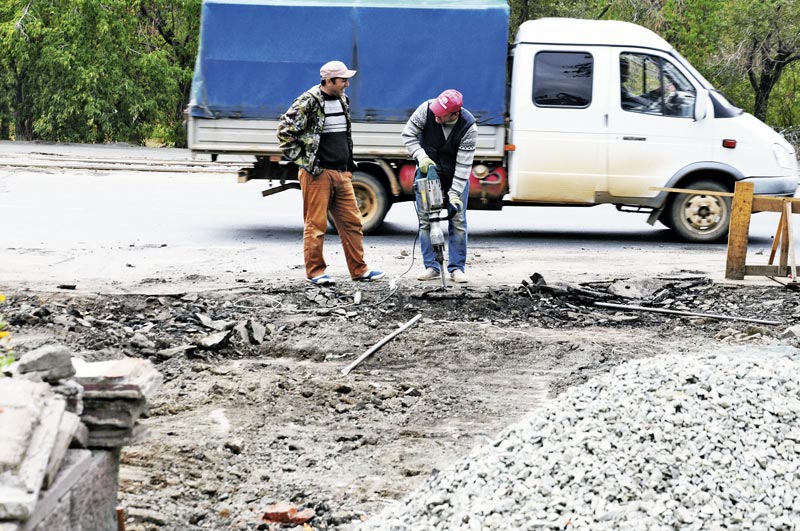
(455, 205)
(425, 163)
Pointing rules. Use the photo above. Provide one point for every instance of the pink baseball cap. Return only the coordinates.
(333, 69)
(447, 102)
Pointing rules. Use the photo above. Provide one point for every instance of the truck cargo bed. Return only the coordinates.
(258, 137)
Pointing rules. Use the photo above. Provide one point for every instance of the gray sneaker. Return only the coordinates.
(429, 274)
(456, 275)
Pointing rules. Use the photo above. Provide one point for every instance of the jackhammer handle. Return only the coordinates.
(446, 218)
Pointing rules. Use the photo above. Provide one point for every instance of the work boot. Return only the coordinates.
(456, 275)
(429, 274)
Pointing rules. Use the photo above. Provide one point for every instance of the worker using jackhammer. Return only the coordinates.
(442, 133)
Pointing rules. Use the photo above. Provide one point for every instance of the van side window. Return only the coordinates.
(562, 79)
(652, 85)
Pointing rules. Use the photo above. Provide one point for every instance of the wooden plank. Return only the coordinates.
(777, 239)
(766, 271)
(739, 231)
(774, 204)
(761, 203)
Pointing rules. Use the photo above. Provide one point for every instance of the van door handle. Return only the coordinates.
(605, 119)
(637, 138)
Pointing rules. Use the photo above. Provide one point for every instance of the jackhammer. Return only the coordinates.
(431, 201)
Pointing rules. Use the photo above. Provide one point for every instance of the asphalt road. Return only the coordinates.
(170, 228)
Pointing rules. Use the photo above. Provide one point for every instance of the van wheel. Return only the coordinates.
(698, 217)
(372, 200)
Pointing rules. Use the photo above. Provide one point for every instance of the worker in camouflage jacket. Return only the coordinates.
(315, 133)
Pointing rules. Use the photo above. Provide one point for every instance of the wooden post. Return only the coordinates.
(739, 230)
(785, 237)
(787, 211)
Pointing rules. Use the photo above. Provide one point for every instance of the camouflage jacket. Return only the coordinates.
(300, 128)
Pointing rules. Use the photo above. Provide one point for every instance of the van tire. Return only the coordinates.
(697, 217)
(372, 201)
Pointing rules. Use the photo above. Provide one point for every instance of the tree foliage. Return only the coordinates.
(120, 70)
(96, 70)
(750, 50)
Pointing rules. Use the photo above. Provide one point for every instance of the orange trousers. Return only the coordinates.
(331, 190)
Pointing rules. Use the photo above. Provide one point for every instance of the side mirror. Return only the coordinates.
(701, 103)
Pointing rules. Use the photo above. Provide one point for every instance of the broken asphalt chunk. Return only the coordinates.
(636, 289)
(242, 331)
(51, 363)
(208, 322)
(215, 341)
(175, 351)
(259, 332)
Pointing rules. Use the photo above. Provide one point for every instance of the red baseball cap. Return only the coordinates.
(447, 102)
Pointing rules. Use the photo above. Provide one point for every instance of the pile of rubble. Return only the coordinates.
(52, 404)
(699, 442)
(248, 322)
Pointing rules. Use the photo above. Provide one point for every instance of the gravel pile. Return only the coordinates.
(701, 442)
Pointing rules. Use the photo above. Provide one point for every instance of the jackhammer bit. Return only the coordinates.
(432, 203)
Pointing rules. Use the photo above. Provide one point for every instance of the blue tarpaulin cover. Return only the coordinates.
(257, 56)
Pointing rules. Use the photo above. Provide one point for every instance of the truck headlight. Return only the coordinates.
(784, 157)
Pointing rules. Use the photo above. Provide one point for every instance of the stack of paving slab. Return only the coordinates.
(53, 402)
(115, 396)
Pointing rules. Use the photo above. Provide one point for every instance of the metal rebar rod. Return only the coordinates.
(680, 312)
(380, 343)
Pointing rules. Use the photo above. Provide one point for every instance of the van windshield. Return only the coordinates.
(688, 66)
(723, 108)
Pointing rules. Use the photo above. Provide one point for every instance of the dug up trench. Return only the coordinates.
(254, 410)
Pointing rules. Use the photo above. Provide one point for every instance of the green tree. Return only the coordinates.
(174, 27)
(761, 41)
(735, 42)
(96, 71)
(17, 75)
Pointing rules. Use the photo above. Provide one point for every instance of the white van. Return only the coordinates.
(603, 111)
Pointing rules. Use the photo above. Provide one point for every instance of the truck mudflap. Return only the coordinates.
(487, 185)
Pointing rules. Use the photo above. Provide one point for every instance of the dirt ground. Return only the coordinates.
(266, 416)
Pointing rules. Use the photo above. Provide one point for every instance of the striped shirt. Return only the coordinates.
(334, 151)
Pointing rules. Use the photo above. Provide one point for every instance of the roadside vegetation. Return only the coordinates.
(96, 70)
(6, 356)
(120, 71)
